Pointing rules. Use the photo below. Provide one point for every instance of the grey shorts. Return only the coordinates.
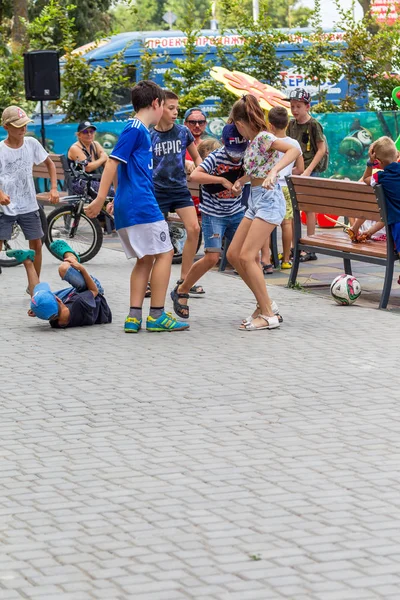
(30, 224)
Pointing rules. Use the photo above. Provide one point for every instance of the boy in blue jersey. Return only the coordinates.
(139, 221)
(222, 210)
(170, 142)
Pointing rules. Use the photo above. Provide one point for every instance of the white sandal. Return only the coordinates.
(274, 308)
(271, 323)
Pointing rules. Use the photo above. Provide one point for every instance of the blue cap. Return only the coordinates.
(234, 143)
(190, 110)
(43, 302)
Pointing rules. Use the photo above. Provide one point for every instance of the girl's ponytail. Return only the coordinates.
(248, 110)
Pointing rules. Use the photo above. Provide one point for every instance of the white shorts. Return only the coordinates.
(146, 239)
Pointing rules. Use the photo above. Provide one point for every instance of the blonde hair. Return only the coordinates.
(385, 150)
(208, 145)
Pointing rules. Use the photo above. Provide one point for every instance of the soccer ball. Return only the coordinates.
(345, 289)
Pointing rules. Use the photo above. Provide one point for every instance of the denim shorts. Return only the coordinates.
(77, 281)
(30, 224)
(216, 228)
(268, 205)
(170, 200)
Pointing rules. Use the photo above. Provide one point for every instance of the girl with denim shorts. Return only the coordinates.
(266, 207)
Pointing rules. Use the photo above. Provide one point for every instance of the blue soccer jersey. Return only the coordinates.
(134, 202)
(169, 149)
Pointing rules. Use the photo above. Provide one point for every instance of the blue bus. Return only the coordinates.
(168, 46)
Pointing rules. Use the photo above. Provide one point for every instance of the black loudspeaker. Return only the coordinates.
(42, 75)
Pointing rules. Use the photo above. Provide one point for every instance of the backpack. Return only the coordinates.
(312, 131)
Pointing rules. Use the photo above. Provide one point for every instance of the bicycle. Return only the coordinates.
(17, 241)
(85, 235)
(69, 221)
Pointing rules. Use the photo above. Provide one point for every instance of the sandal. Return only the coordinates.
(308, 256)
(182, 310)
(196, 290)
(21, 255)
(148, 291)
(267, 269)
(60, 247)
(271, 323)
(275, 310)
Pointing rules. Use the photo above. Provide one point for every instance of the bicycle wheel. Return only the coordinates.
(178, 235)
(18, 241)
(87, 238)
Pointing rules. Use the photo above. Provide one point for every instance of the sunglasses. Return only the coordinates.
(199, 122)
(88, 131)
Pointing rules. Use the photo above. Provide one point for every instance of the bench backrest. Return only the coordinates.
(42, 172)
(334, 196)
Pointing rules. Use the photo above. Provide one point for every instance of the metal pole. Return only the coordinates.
(42, 132)
(256, 11)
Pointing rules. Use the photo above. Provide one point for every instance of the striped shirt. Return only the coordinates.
(223, 203)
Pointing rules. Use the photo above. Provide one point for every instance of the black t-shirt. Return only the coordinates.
(85, 309)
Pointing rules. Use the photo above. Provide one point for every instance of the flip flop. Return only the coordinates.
(21, 255)
(59, 248)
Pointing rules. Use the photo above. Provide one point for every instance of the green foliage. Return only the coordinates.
(11, 78)
(189, 78)
(53, 28)
(90, 16)
(316, 61)
(201, 12)
(282, 13)
(367, 58)
(90, 91)
(257, 56)
(139, 15)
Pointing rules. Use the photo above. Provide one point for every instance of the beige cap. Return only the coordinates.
(13, 115)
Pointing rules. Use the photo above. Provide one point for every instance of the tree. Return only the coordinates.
(20, 14)
(281, 13)
(190, 78)
(257, 55)
(201, 12)
(316, 60)
(139, 15)
(91, 17)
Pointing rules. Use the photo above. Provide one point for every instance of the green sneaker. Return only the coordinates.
(165, 322)
(132, 325)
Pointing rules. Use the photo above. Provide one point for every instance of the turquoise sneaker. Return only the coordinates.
(132, 325)
(21, 255)
(165, 322)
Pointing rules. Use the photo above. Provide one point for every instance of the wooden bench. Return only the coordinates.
(41, 172)
(348, 199)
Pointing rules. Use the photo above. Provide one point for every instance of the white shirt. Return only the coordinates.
(287, 170)
(16, 178)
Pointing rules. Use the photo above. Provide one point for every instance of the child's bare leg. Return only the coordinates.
(159, 279)
(197, 270)
(311, 223)
(266, 252)
(191, 223)
(259, 230)
(139, 278)
(31, 274)
(36, 245)
(374, 228)
(356, 225)
(287, 228)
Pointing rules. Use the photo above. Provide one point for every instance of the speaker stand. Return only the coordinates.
(42, 131)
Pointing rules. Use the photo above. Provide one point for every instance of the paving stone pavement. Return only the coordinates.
(210, 465)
